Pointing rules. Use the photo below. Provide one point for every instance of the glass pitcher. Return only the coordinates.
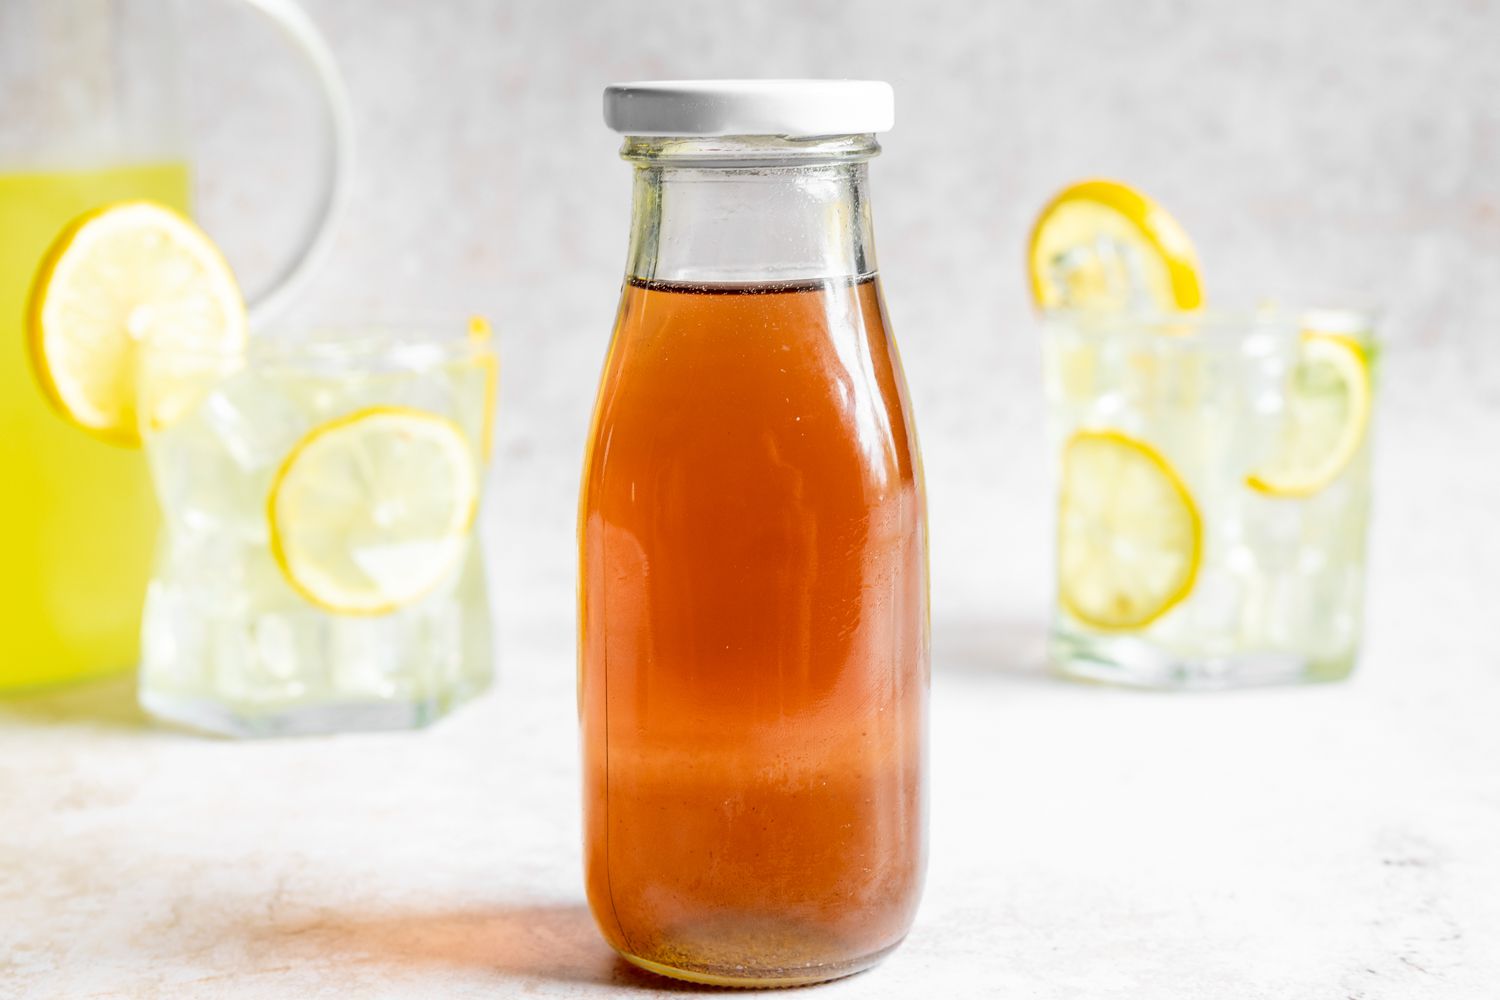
(91, 112)
(753, 651)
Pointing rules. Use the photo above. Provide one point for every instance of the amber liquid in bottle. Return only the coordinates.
(753, 659)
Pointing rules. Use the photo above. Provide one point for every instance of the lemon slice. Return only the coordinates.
(370, 512)
(1100, 244)
(1129, 533)
(115, 280)
(1328, 411)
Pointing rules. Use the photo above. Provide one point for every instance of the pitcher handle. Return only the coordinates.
(338, 127)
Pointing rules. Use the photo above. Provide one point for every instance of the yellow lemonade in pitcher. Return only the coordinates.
(77, 515)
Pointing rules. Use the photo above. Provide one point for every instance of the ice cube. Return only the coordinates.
(431, 390)
(254, 421)
(368, 656)
(1218, 602)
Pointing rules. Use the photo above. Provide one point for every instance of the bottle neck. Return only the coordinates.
(751, 209)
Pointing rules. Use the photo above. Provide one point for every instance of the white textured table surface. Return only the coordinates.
(1338, 842)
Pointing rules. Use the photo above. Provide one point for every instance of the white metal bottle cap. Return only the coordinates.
(796, 108)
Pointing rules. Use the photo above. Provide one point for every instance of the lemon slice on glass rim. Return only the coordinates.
(1130, 537)
(1328, 403)
(1101, 244)
(119, 280)
(370, 512)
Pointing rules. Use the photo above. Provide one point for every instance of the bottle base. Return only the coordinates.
(741, 977)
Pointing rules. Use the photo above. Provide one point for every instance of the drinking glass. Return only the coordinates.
(318, 568)
(1212, 475)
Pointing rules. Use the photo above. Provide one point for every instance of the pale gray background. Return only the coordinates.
(1340, 842)
(1335, 144)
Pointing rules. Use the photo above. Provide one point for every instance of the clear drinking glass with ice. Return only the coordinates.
(317, 568)
(1212, 472)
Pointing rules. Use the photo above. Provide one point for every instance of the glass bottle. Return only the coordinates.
(753, 656)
